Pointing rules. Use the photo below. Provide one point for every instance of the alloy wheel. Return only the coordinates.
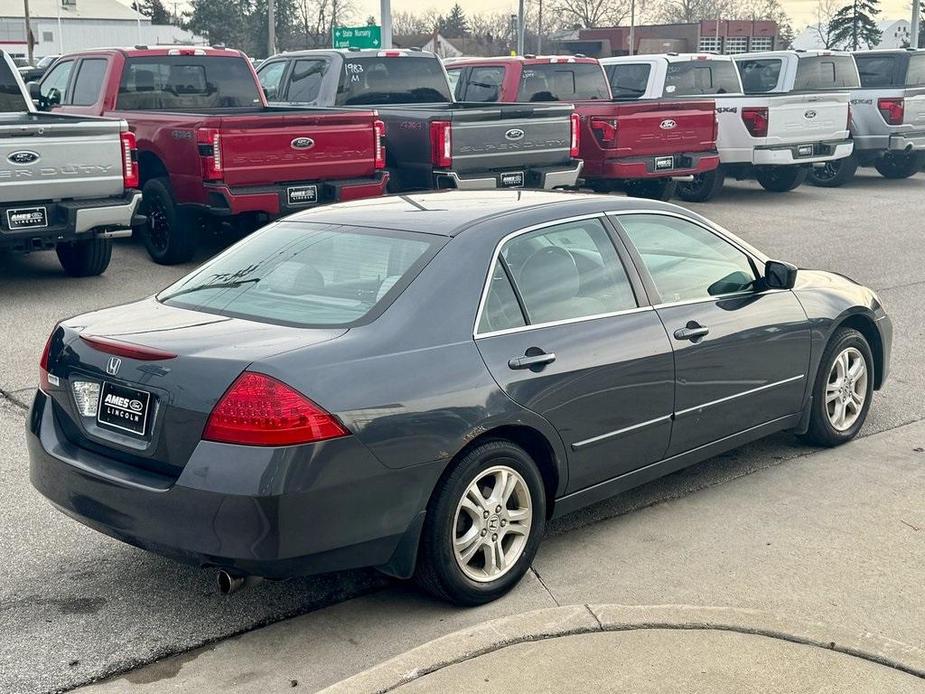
(846, 389)
(158, 225)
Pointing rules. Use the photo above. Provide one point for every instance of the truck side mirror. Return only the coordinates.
(35, 93)
(779, 275)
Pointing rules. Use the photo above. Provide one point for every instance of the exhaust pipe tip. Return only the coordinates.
(229, 583)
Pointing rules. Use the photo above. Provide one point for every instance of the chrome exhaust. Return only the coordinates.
(229, 583)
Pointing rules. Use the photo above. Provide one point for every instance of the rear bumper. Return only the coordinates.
(907, 141)
(71, 220)
(682, 164)
(544, 177)
(802, 153)
(259, 511)
(274, 201)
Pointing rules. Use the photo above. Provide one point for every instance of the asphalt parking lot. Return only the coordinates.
(75, 606)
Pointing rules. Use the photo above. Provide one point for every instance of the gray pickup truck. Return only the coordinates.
(431, 140)
(67, 183)
(887, 118)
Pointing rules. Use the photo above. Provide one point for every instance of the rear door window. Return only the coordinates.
(563, 82)
(483, 84)
(392, 80)
(699, 77)
(628, 81)
(307, 275)
(89, 82)
(456, 82)
(270, 76)
(759, 76)
(305, 80)
(54, 86)
(187, 83)
(822, 72)
(915, 76)
(877, 71)
(11, 98)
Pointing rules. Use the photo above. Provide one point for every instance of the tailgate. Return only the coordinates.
(670, 127)
(59, 157)
(272, 148)
(511, 136)
(915, 110)
(796, 118)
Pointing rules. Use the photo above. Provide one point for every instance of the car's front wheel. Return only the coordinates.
(484, 524)
(781, 179)
(843, 389)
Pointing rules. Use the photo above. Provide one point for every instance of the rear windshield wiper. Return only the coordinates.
(217, 285)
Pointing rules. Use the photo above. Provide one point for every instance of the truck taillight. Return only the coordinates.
(379, 132)
(605, 129)
(129, 160)
(258, 410)
(892, 109)
(441, 140)
(756, 120)
(209, 141)
(576, 136)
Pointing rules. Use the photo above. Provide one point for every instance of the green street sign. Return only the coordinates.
(358, 37)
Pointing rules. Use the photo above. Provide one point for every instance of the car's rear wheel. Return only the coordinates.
(834, 173)
(843, 389)
(85, 258)
(654, 188)
(781, 179)
(704, 187)
(170, 232)
(484, 524)
(900, 164)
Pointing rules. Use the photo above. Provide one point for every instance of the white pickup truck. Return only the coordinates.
(887, 118)
(67, 183)
(788, 117)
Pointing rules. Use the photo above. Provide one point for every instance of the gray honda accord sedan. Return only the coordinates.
(419, 383)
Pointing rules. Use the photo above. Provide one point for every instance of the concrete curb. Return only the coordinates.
(568, 620)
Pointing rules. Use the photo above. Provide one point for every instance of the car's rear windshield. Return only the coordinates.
(698, 77)
(563, 82)
(11, 98)
(822, 72)
(628, 80)
(876, 71)
(306, 275)
(759, 75)
(915, 75)
(392, 80)
(187, 83)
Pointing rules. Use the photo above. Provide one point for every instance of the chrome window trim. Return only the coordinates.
(533, 326)
(619, 432)
(751, 391)
(719, 297)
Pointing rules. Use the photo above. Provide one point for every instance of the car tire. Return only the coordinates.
(704, 187)
(834, 173)
(896, 165)
(652, 189)
(847, 350)
(170, 232)
(462, 533)
(85, 258)
(781, 179)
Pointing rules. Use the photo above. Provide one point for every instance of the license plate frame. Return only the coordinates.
(41, 219)
(512, 179)
(122, 413)
(664, 163)
(304, 195)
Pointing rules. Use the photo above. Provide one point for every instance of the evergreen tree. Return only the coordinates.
(853, 26)
(154, 9)
(455, 25)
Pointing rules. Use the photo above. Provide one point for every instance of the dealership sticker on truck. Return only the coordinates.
(27, 218)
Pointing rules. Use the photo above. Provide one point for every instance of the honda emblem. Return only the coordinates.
(113, 366)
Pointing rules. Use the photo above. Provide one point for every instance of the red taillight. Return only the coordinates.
(129, 160)
(441, 140)
(576, 136)
(756, 121)
(605, 129)
(209, 141)
(126, 349)
(43, 364)
(258, 410)
(379, 133)
(893, 110)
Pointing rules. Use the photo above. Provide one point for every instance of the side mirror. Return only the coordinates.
(779, 275)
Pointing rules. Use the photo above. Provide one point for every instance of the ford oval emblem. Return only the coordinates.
(23, 156)
(668, 124)
(302, 143)
(514, 134)
(809, 114)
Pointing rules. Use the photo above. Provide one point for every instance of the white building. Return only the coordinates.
(894, 34)
(65, 26)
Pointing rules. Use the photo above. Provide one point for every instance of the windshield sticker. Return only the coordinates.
(670, 88)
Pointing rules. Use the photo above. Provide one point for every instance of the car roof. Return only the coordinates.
(359, 53)
(525, 59)
(669, 57)
(451, 212)
(152, 51)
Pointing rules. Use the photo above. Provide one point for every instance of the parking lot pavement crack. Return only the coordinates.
(545, 587)
(596, 618)
(8, 401)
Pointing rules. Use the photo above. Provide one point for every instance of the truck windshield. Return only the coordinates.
(628, 80)
(307, 275)
(759, 76)
(699, 77)
(392, 80)
(187, 83)
(11, 98)
(822, 72)
(563, 82)
(915, 77)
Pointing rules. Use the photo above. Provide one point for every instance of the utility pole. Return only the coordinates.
(539, 30)
(271, 27)
(385, 12)
(28, 31)
(916, 23)
(520, 27)
(632, 27)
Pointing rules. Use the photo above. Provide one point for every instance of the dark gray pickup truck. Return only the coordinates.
(431, 140)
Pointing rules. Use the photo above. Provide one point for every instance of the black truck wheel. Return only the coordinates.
(170, 232)
(781, 179)
(704, 187)
(897, 165)
(834, 173)
(85, 258)
(652, 188)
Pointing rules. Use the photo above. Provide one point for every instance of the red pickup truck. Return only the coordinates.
(209, 147)
(638, 146)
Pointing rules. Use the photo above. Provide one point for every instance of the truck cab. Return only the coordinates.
(776, 121)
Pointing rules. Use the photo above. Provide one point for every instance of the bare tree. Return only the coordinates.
(822, 29)
(317, 19)
(590, 13)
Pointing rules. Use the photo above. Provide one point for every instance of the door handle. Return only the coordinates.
(693, 331)
(532, 361)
